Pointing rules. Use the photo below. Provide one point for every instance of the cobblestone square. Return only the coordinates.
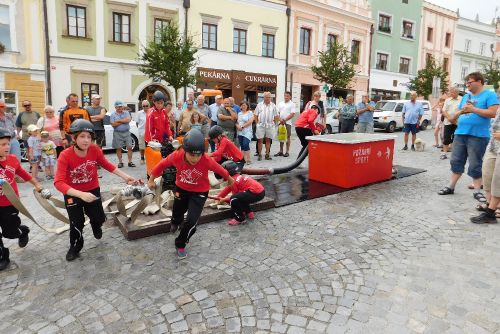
(393, 257)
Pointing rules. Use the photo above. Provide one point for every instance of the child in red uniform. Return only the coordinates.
(245, 192)
(10, 223)
(76, 178)
(192, 185)
(226, 150)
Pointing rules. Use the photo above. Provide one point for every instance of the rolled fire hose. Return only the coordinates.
(279, 170)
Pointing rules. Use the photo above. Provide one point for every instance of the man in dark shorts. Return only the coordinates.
(412, 113)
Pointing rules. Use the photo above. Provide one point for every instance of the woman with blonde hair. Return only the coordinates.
(50, 123)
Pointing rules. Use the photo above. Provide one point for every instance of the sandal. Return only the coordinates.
(120, 165)
(480, 197)
(286, 155)
(131, 164)
(482, 207)
(446, 191)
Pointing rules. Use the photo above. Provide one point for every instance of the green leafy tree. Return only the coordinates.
(492, 73)
(170, 57)
(422, 83)
(335, 67)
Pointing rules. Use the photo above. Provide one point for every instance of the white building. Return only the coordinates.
(474, 47)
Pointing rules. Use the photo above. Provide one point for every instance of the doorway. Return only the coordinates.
(147, 94)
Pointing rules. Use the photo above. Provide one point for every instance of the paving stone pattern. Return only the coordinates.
(389, 258)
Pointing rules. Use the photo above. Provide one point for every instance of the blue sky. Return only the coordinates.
(469, 8)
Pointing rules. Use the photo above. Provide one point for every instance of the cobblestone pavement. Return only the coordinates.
(389, 258)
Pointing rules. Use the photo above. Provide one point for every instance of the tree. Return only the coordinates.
(170, 58)
(335, 67)
(492, 74)
(422, 83)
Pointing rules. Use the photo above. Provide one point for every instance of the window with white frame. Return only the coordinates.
(404, 65)
(467, 45)
(482, 46)
(209, 36)
(121, 27)
(408, 29)
(384, 23)
(239, 41)
(305, 41)
(160, 24)
(355, 50)
(382, 60)
(464, 72)
(268, 45)
(332, 39)
(5, 27)
(10, 99)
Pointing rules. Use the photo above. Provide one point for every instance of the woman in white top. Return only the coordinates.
(244, 130)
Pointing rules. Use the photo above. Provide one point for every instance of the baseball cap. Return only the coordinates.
(218, 97)
(32, 127)
(95, 96)
(119, 103)
(44, 133)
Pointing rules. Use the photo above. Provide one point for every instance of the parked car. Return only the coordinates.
(388, 115)
(332, 121)
(134, 132)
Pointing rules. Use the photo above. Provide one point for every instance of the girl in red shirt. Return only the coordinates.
(192, 185)
(77, 179)
(226, 150)
(306, 125)
(245, 192)
(10, 223)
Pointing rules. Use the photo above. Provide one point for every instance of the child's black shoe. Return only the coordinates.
(24, 238)
(4, 258)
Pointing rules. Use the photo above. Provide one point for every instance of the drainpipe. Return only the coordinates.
(186, 4)
(288, 13)
(48, 82)
(370, 61)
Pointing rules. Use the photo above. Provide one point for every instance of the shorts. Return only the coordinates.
(49, 161)
(261, 132)
(410, 128)
(36, 159)
(142, 142)
(100, 138)
(449, 133)
(121, 139)
(491, 173)
(10, 222)
(288, 131)
(244, 143)
(471, 148)
(365, 127)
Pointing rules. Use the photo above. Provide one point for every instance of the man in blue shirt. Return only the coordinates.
(412, 113)
(120, 120)
(476, 109)
(365, 115)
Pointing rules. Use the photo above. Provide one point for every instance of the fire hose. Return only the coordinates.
(278, 170)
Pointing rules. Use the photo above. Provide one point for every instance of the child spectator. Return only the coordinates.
(48, 155)
(245, 191)
(192, 185)
(196, 121)
(77, 179)
(34, 150)
(10, 223)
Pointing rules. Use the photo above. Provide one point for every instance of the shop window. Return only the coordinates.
(384, 23)
(447, 40)
(407, 29)
(76, 21)
(5, 27)
(331, 40)
(382, 60)
(404, 65)
(305, 41)
(88, 89)
(159, 25)
(239, 41)
(268, 45)
(10, 99)
(355, 46)
(121, 28)
(209, 36)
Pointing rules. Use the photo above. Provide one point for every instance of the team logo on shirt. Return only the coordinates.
(83, 173)
(7, 174)
(190, 176)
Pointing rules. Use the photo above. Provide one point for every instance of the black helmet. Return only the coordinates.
(231, 167)
(158, 95)
(80, 125)
(215, 132)
(5, 134)
(194, 142)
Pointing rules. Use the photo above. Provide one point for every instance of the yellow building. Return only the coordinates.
(22, 63)
(242, 46)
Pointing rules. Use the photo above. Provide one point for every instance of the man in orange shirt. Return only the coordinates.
(67, 117)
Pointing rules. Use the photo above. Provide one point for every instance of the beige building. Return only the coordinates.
(313, 25)
(22, 62)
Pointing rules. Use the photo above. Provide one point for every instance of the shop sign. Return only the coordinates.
(209, 74)
(261, 79)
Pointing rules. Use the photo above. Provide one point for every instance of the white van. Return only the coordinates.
(388, 115)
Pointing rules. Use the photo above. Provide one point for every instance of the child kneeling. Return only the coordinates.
(226, 150)
(10, 223)
(245, 192)
(192, 185)
(77, 179)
